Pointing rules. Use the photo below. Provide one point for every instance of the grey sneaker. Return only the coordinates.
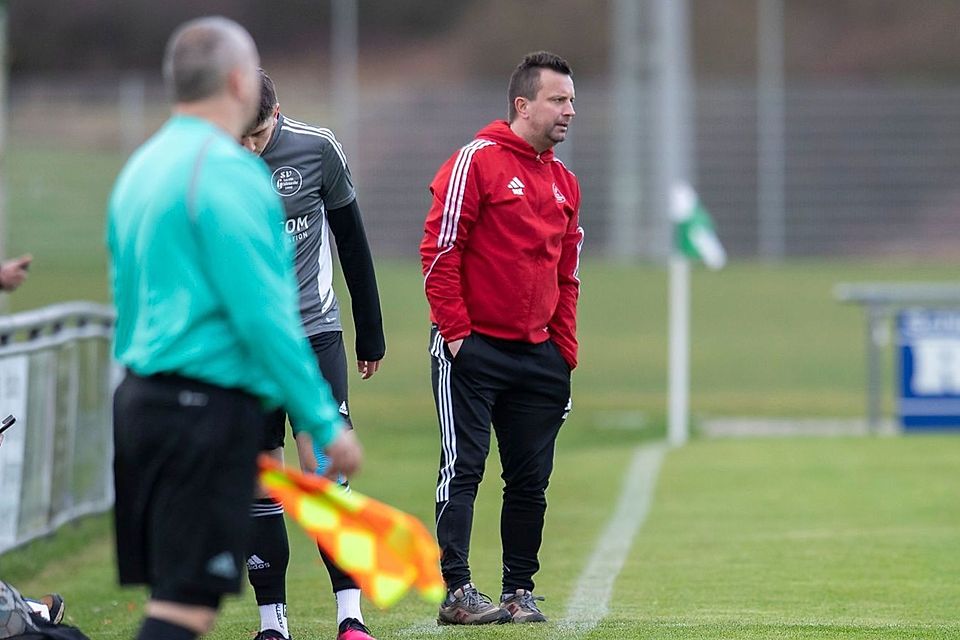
(466, 605)
(522, 606)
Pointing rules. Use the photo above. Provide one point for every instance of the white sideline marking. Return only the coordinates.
(590, 600)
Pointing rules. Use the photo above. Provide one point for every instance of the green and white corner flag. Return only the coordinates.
(695, 236)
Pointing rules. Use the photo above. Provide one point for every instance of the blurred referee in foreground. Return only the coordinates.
(209, 331)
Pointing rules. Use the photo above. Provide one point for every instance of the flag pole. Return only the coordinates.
(673, 135)
(694, 238)
(679, 351)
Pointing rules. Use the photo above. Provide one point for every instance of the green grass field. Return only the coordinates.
(787, 538)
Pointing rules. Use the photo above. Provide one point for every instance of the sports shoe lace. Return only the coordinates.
(474, 599)
(528, 601)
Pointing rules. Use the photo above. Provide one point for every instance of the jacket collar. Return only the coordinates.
(499, 131)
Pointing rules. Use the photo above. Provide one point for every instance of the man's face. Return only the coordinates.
(256, 139)
(550, 113)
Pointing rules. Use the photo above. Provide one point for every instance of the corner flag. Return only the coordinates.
(385, 550)
(695, 235)
(694, 238)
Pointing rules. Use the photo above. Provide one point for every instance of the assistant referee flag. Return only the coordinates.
(384, 549)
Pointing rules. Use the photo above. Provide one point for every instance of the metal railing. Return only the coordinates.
(56, 377)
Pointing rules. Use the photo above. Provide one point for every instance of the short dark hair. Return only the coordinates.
(525, 80)
(268, 97)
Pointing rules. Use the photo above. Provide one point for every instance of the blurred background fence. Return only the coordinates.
(818, 129)
(870, 169)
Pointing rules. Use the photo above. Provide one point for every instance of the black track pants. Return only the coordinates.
(523, 390)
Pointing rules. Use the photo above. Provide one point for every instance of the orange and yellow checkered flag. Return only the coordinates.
(384, 549)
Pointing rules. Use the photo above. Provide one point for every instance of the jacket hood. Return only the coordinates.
(499, 131)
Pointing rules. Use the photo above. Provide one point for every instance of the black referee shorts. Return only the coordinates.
(332, 360)
(184, 472)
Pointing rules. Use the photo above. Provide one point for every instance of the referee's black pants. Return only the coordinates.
(522, 389)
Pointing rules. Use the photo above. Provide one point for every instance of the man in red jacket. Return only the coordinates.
(500, 255)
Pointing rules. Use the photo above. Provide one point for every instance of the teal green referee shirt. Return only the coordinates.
(203, 277)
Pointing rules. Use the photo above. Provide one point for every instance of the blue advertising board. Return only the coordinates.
(929, 347)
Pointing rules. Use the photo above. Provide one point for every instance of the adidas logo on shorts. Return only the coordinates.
(255, 563)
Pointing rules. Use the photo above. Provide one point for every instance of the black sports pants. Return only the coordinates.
(332, 359)
(523, 390)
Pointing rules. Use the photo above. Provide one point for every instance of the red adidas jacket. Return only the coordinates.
(501, 243)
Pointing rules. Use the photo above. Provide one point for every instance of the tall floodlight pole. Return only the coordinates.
(770, 130)
(673, 145)
(626, 66)
(343, 52)
(3, 136)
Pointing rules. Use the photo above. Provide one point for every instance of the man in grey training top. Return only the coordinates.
(309, 172)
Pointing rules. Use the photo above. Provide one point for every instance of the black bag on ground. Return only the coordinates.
(47, 631)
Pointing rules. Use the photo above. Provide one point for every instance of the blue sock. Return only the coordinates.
(323, 462)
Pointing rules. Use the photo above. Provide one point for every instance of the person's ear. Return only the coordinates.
(520, 105)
